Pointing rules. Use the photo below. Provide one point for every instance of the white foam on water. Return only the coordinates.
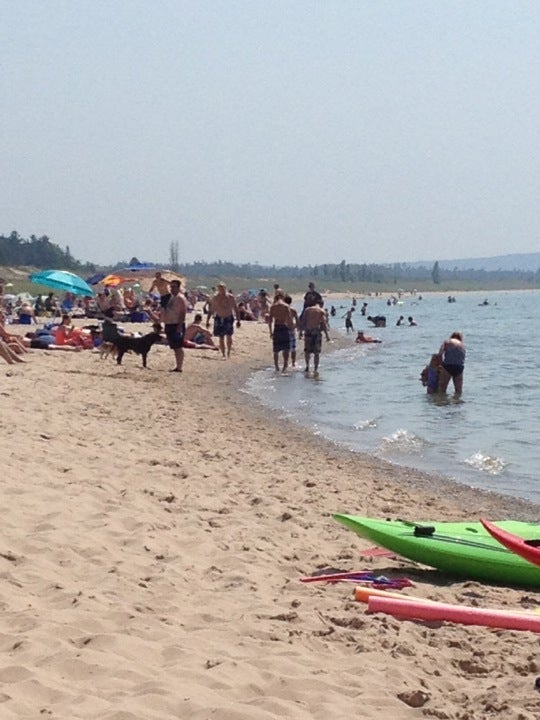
(486, 463)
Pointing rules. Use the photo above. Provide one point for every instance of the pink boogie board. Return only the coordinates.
(527, 549)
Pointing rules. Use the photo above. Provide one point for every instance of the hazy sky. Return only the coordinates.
(277, 131)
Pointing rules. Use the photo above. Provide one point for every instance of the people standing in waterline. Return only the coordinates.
(314, 326)
(453, 353)
(279, 328)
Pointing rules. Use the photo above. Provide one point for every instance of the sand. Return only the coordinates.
(155, 527)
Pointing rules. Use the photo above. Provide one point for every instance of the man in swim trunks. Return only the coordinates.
(293, 324)
(224, 309)
(311, 298)
(278, 326)
(314, 322)
(163, 288)
(348, 320)
(173, 316)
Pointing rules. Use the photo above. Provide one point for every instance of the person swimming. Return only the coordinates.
(361, 338)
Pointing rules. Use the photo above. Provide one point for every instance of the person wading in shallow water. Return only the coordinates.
(224, 309)
(314, 323)
(278, 326)
(453, 363)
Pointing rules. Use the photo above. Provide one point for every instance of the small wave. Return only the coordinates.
(403, 441)
(486, 463)
(365, 424)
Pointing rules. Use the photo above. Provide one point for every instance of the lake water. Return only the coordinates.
(369, 397)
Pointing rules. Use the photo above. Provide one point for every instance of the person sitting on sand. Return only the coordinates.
(197, 336)
(51, 304)
(15, 342)
(244, 313)
(67, 334)
(26, 314)
(9, 355)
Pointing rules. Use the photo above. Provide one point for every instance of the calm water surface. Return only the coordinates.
(369, 398)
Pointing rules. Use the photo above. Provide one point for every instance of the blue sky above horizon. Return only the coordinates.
(271, 131)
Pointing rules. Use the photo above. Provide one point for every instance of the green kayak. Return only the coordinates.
(464, 549)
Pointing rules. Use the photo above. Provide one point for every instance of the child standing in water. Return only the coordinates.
(429, 376)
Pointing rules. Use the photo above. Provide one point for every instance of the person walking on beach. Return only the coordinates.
(224, 309)
(314, 326)
(278, 326)
(293, 324)
(311, 298)
(173, 316)
(453, 353)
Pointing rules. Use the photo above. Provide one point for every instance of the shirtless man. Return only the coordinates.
(163, 287)
(224, 309)
(311, 298)
(314, 324)
(278, 326)
(197, 334)
(348, 320)
(173, 316)
(293, 324)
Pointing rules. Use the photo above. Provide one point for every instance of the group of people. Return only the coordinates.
(284, 323)
(222, 307)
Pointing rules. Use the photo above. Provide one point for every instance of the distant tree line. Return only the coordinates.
(357, 272)
(39, 252)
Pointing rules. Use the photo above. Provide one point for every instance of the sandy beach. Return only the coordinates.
(155, 529)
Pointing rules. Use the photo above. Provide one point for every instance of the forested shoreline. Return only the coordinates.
(41, 253)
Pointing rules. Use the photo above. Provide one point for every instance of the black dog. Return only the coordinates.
(139, 345)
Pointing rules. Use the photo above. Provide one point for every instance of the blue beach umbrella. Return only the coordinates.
(62, 280)
(138, 267)
(96, 278)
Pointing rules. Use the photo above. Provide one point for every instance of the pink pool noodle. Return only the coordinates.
(463, 614)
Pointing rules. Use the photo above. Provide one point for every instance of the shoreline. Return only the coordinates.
(166, 517)
(521, 508)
